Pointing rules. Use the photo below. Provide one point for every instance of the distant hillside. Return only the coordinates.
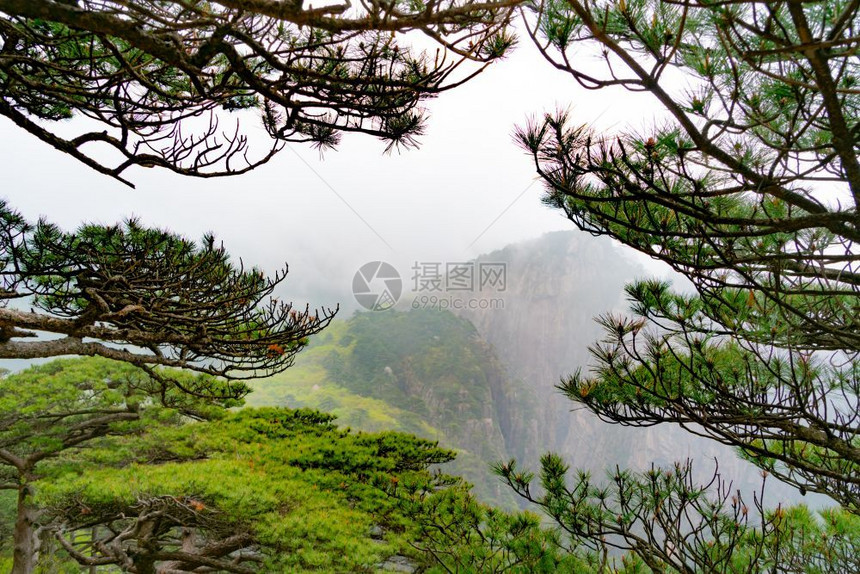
(424, 372)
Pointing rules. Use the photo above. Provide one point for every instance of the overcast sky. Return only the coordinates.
(467, 190)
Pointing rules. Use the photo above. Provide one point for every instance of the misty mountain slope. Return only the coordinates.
(484, 382)
(556, 285)
(424, 372)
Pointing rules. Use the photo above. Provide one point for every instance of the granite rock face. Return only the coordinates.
(556, 285)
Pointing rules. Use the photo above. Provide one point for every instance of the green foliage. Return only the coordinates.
(70, 414)
(662, 521)
(304, 490)
(813, 543)
(73, 404)
(8, 502)
(311, 383)
(462, 535)
(422, 344)
(422, 372)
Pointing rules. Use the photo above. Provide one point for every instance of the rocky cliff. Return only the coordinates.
(556, 285)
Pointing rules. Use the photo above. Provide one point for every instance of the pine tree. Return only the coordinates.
(750, 190)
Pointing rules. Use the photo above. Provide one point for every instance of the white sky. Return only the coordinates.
(467, 190)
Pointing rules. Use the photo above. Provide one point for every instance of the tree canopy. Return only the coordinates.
(750, 189)
(118, 478)
(751, 186)
(146, 297)
(126, 480)
(52, 415)
(259, 490)
(68, 404)
(155, 78)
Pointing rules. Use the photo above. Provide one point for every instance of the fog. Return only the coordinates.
(467, 190)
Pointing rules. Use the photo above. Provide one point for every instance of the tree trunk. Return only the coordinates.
(26, 552)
